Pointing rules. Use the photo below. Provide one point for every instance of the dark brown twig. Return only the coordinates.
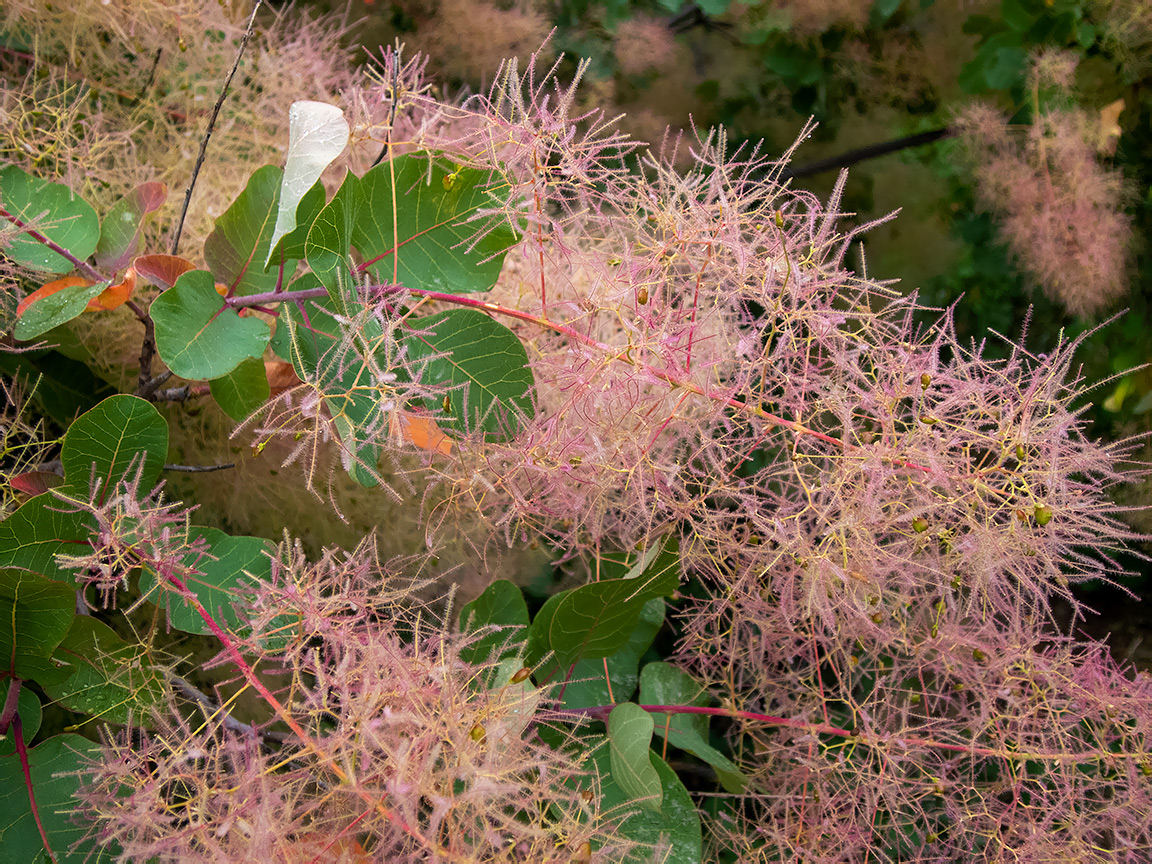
(211, 124)
(871, 151)
(200, 469)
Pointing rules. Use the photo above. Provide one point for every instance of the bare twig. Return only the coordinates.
(870, 151)
(211, 124)
(200, 469)
(211, 707)
(149, 386)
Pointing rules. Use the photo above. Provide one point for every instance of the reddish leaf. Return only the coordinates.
(162, 270)
(49, 289)
(121, 228)
(35, 482)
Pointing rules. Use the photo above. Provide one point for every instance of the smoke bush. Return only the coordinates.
(870, 521)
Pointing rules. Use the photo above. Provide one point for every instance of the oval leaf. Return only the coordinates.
(223, 578)
(677, 824)
(120, 230)
(35, 614)
(629, 747)
(317, 134)
(483, 366)
(199, 337)
(162, 270)
(34, 535)
(60, 302)
(444, 243)
(111, 679)
(109, 444)
(664, 684)
(501, 606)
(54, 211)
(596, 620)
(242, 390)
(58, 768)
(238, 246)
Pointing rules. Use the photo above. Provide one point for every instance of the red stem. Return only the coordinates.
(18, 735)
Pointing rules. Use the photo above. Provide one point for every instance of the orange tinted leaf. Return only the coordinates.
(115, 295)
(162, 270)
(49, 289)
(281, 376)
(340, 847)
(425, 434)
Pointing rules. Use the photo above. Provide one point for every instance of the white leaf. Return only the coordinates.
(317, 134)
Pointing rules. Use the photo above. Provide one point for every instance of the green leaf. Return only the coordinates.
(596, 620)
(676, 825)
(317, 134)
(55, 309)
(113, 679)
(238, 246)
(712, 8)
(351, 395)
(226, 572)
(35, 613)
(437, 242)
(109, 443)
(1019, 14)
(31, 716)
(57, 767)
(484, 366)
(586, 685)
(242, 390)
(501, 605)
(1005, 67)
(998, 64)
(328, 247)
(56, 212)
(198, 337)
(65, 388)
(664, 684)
(629, 747)
(539, 641)
(120, 230)
(32, 537)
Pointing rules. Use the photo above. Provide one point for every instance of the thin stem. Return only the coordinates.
(211, 124)
(670, 378)
(601, 712)
(11, 701)
(22, 750)
(870, 151)
(84, 267)
(250, 300)
(200, 469)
